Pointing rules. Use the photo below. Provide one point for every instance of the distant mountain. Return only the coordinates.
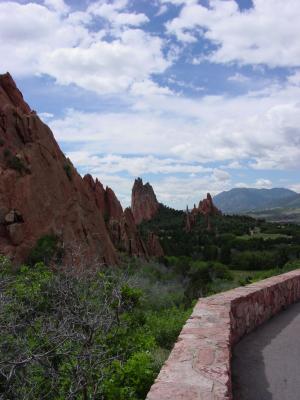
(245, 200)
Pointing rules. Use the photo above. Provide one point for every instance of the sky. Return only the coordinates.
(193, 96)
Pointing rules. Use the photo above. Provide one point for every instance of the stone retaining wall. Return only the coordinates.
(198, 367)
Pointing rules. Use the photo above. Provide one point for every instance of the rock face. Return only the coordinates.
(120, 224)
(207, 208)
(41, 194)
(190, 219)
(144, 204)
(40, 190)
(154, 246)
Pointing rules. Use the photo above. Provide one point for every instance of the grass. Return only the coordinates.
(264, 236)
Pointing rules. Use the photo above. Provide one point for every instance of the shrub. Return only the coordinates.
(14, 162)
(131, 380)
(45, 250)
(219, 271)
(68, 170)
(254, 260)
(165, 325)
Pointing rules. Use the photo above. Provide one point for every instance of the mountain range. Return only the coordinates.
(250, 200)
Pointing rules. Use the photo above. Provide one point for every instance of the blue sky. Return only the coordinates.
(192, 95)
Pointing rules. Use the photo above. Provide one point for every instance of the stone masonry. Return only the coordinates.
(199, 366)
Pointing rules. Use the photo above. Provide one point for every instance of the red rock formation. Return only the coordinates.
(98, 191)
(40, 190)
(42, 193)
(130, 237)
(121, 225)
(114, 208)
(154, 246)
(106, 200)
(144, 204)
(190, 219)
(10, 94)
(207, 208)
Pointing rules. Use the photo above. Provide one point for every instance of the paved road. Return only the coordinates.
(266, 363)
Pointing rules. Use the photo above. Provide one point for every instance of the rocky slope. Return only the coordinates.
(144, 204)
(41, 194)
(120, 224)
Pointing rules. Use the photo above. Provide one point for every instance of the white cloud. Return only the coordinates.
(50, 39)
(162, 10)
(261, 128)
(220, 176)
(57, 5)
(263, 184)
(238, 77)
(179, 192)
(136, 165)
(178, 2)
(46, 116)
(149, 88)
(295, 187)
(108, 67)
(294, 78)
(241, 185)
(171, 190)
(260, 183)
(265, 34)
(234, 165)
(114, 14)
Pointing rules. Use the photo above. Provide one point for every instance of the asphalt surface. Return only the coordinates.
(266, 363)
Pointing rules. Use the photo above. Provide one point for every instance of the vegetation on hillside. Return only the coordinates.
(239, 242)
(104, 333)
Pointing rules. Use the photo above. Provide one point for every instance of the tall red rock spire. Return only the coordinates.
(207, 208)
(144, 204)
(120, 224)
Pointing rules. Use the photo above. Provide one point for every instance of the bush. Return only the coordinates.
(219, 271)
(45, 250)
(94, 335)
(131, 380)
(15, 162)
(68, 170)
(166, 325)
(254, 260)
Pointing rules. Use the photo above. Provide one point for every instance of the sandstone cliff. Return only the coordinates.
(41, 194)
(40, 190)
(144, 204)
(120, 224)
(153, 245)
